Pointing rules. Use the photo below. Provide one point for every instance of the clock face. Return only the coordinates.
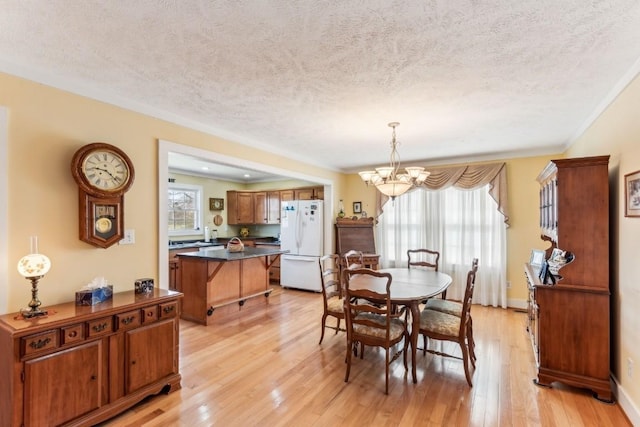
(102, 170)
(105, 170)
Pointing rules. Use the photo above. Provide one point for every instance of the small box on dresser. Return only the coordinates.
(94, 296)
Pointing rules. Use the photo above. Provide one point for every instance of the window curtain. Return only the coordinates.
(462, 222)
(468, 178)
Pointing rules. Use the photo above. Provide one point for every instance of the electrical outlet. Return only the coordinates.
(508, 284)
(630, 368)
(129, 237)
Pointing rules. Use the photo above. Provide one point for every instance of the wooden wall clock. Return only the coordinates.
(103, 173)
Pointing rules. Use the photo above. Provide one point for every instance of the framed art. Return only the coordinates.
(632, 194)
(216, 204)
(537, 257)
(357, 207)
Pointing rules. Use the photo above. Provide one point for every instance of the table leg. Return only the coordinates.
(415, 333)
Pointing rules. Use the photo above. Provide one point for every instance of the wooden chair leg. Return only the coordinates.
(465, 360)
(324, 319)
(348, 360)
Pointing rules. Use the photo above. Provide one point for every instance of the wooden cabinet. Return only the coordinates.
(273, 207)
(309, 193)
(81, 365)
(174, 267)
(263, 207)
(569, 321)
(240, 207)
(267, 207)
(286, 195)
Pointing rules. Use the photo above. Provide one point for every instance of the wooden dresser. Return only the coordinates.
(569, 321)
(84, 364)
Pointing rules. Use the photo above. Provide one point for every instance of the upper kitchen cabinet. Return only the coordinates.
(267, 207)
(309, 193)
(241, 207)
(263, 207)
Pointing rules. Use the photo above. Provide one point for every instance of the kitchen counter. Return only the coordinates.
(222, 281)
(225, 255)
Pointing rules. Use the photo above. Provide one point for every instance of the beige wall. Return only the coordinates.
(45, 127)
(617, 133)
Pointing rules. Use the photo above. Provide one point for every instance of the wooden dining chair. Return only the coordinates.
(349, 257)
(371, 321)
(446, 327)
(332, 300)
(424, 258)
(455, 309)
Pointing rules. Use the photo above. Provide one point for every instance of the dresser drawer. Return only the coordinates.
(150, 314)
(98, 327)
(72, 333)
(38, 343)
(168, 309)
(128, 320)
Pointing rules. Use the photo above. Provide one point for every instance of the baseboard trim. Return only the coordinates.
(517, 303)
(628, 407)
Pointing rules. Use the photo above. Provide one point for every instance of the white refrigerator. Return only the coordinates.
(302, 234)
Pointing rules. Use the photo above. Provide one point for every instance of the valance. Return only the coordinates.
(467, 178)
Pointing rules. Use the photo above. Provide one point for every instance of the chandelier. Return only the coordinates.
(387, 179)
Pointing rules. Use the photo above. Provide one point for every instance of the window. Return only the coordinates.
(461, 225)
(185, 209)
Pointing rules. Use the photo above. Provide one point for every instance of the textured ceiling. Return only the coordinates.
(319, 80)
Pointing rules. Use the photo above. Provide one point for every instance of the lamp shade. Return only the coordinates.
(34, 265)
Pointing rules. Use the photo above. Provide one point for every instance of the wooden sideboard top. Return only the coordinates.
(61, 313)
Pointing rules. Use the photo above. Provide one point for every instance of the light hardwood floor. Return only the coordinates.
(265, 368)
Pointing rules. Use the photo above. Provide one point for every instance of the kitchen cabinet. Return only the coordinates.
(174, 267)
(81, 365)
(286, 195)
(309, 193)
(240, 207)
(569, 321)
(273, 207)
(263, 207)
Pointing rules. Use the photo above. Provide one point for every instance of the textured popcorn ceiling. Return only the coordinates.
(319, 80)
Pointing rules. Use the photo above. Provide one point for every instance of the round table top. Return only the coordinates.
(407, 284)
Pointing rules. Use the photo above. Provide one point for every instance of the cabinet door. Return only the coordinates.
(273, 207)
(150, 354)
(240, 208)
(63, 386)
(318, 193)
(260, 204)
(304, 194)
(286, 195)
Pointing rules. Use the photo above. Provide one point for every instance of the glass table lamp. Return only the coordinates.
(33, 267)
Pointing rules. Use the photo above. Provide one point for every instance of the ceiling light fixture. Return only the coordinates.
(387, 180)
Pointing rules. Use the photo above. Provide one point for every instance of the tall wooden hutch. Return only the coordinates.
(569, 321)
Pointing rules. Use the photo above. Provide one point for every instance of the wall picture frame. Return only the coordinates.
(537, 258)
(357, 207)
(216, 204)
(632, 194)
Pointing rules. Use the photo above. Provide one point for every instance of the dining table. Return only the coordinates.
(409, 287)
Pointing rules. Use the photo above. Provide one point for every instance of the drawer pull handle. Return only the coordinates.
(40, 343)
(168, 309)
(73, 334)
(128, 320)
(99, 328)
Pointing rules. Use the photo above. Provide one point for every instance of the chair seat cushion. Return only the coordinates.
(453, 308)
(396, 330)
(439, 322)
(335, 305)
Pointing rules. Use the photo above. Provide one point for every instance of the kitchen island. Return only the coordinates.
(212, 279)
